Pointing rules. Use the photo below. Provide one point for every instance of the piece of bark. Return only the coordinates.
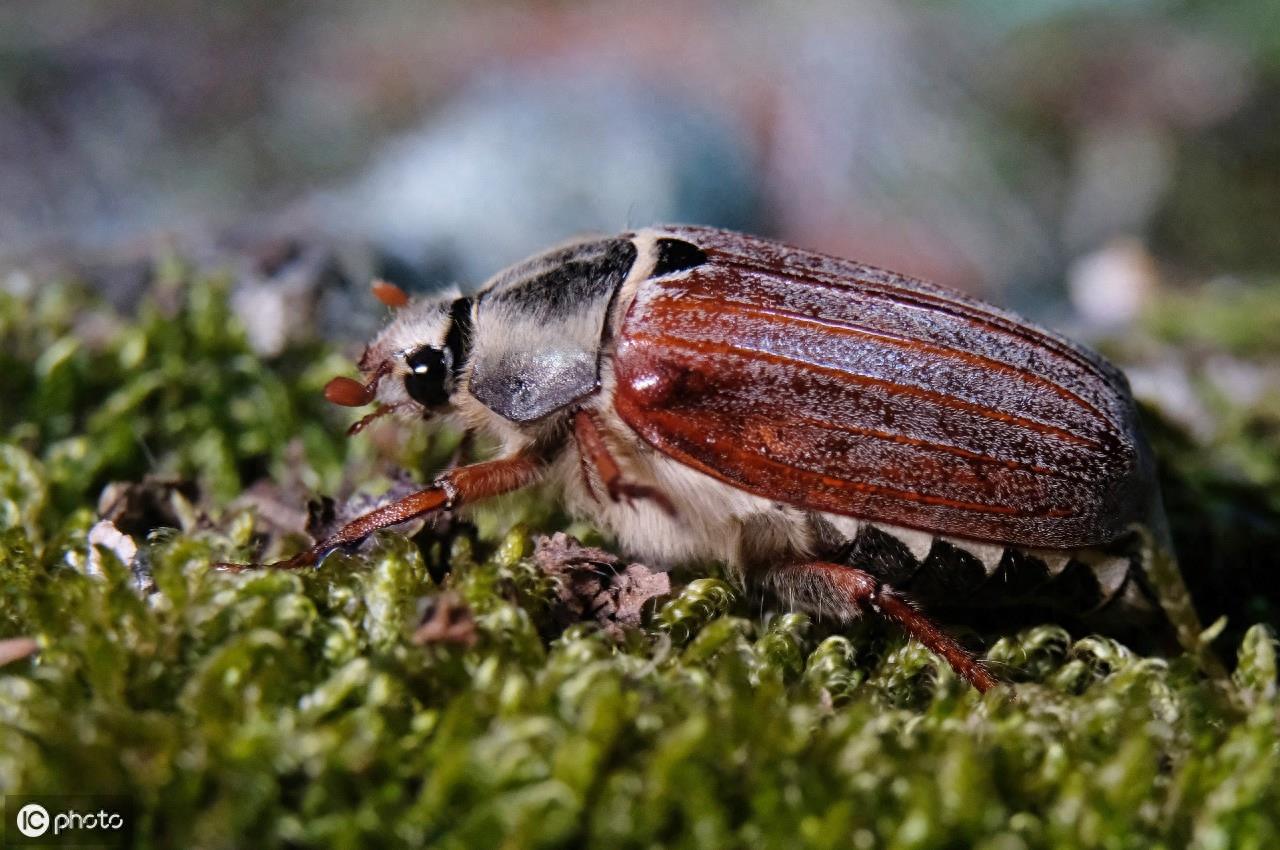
(16, 649)
(139, 507)
(105, 534)
(593, 585)
(446, 618)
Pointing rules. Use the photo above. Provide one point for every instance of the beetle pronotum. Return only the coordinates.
(844, 436)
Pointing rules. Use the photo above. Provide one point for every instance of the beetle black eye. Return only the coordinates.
(430, 374)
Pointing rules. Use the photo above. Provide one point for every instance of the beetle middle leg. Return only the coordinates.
(451, 489)
(835, 588)
(592, 448)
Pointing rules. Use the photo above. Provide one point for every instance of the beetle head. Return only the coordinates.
(413, 365)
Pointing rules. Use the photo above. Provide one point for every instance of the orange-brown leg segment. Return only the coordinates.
(592, 448)
(464, 484)
(837, 589)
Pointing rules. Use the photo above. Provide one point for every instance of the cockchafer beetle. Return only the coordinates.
(849, 438)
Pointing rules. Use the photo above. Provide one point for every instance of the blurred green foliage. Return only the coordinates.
(177, 390)
(290, 710)
(1238, 319)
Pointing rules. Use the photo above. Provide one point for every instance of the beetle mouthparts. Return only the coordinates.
(381, 411)
(349, 393)
(389, 294)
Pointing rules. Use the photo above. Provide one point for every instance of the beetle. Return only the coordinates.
(849, 438)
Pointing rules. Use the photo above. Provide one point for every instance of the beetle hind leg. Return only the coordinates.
(592, 449)
(843, 591)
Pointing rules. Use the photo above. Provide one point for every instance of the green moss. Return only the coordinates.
(274, 709)
(1236, 318)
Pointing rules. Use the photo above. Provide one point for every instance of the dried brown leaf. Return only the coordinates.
(592, 585)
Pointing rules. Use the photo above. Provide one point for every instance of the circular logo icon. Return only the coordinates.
(33, 820)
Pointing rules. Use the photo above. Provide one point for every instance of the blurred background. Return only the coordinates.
(1050, 154)
(1111, 168)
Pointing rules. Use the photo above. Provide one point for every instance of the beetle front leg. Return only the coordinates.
(453, 488)
(841, 590)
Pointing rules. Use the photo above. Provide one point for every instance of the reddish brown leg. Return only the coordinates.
(464, 484)
(830, 588)
(364, 421)
(592, 448)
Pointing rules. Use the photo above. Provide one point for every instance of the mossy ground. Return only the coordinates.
(272, 709)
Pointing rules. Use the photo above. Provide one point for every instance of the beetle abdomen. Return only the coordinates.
(838, 387)
(1100, 587)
